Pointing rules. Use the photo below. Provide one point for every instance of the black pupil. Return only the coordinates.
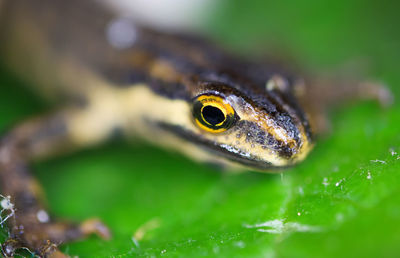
(213, 115)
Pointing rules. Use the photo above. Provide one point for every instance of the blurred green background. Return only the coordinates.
(344, 200)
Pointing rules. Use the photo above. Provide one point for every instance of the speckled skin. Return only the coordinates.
(147, 90)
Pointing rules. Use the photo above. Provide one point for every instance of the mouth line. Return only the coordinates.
(226, 151)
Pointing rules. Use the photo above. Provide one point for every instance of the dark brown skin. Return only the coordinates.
(173, 67)
(37, 137)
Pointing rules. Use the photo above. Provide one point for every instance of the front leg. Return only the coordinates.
(318, 94)
(31, 226)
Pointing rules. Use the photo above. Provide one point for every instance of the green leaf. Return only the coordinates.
(342, 201)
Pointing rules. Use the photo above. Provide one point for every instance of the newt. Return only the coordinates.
(184, 93)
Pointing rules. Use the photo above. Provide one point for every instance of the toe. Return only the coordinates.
(95, 226)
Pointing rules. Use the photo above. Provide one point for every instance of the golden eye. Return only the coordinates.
(213, 114)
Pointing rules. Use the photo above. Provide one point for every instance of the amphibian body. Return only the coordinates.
(114, 76)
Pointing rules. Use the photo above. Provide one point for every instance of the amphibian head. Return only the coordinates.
(241, 122)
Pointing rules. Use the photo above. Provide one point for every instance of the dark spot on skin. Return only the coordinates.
(271, 141)
(286, 122)
(261, 135)
(257, 136)
(125, 77)
(296, 111)
(253, 132)
(172, 90)
(286, 152)
(136, 76)
(133, 77)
